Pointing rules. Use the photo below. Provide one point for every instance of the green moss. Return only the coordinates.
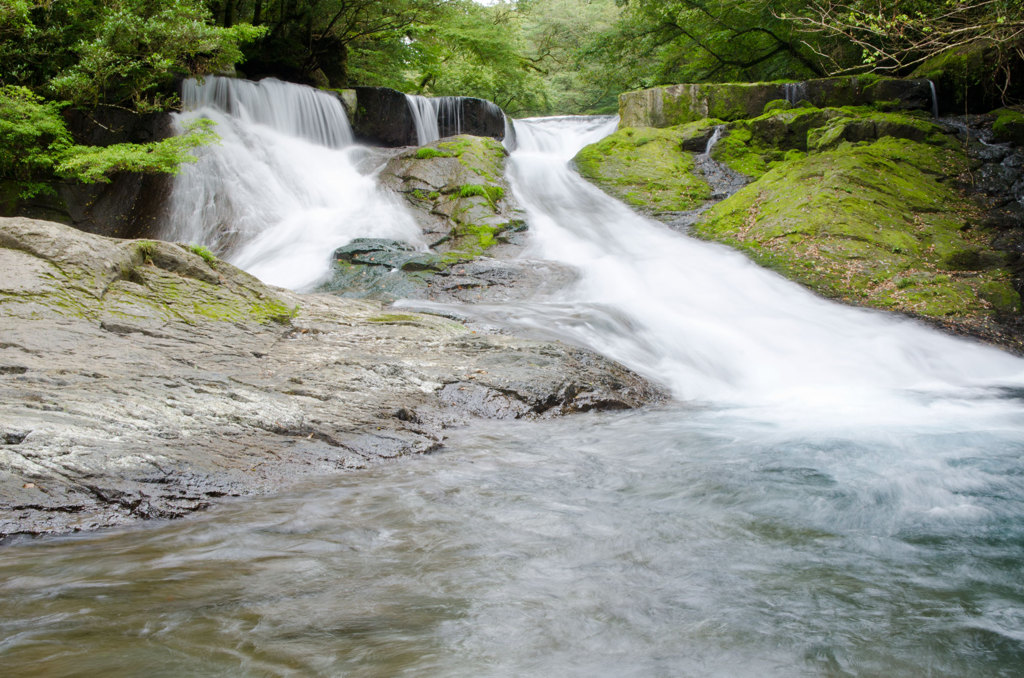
(492, 193)
(428, 152)
(646, 167)
(869, 223)
(481, 155)
(145, 249)
(777, 105)
(395, 318)
(1009, 126)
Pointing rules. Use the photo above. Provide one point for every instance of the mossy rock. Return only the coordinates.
(1009, 126)
(647, 167)
(752, 147)
(872, 224)
(777, 105)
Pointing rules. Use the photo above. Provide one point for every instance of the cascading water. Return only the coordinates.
(424, 118)
(713, 326)
(794, 92)
(437, 117)
(935, 99)
(281, 190)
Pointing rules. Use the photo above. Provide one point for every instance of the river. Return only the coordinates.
(831, 492)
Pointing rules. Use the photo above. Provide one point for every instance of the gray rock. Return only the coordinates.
(138, 381)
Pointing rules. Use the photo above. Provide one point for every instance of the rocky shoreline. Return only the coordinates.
(143, 380)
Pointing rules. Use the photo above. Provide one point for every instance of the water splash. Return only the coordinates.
(282, 189)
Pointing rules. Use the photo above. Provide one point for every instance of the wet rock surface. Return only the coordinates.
(456, 190)
(138, 380)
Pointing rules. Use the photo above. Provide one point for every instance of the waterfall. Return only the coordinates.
(437, 117)
(935, 99)
(290, 109)
(713, 139)
(708, 322)
(794, 92)
(282, 189)
(424, 118)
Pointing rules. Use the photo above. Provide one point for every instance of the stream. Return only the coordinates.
(831, 491)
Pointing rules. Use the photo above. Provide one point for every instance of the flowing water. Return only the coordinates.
(832, 492)
(283, 188)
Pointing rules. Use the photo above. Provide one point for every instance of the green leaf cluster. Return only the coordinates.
(36, 146)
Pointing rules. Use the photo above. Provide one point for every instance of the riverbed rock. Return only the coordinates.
(139, 379)
(457, 192)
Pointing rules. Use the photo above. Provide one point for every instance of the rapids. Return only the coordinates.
(833, 492)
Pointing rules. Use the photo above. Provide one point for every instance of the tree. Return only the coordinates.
(574, 45)
(897, 37)
(474, 50)
(116, 52)
(35, 145)
(86, 53)
(717, 40)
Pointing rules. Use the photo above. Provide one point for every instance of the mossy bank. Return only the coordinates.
(864, 206)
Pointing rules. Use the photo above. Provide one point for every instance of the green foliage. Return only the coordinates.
(120, 52)
(203, 252)
(895, 38)
(715, 41)
(94, 164)
(138, 47)
(33, 139)
(35, 146)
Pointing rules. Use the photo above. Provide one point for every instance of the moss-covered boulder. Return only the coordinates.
(651, 169)
(133, 283)
(858, 204)
(457, 193)
(754, 146)
(1009, 126)
(876, 224)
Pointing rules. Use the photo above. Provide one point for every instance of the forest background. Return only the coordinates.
(531, 57)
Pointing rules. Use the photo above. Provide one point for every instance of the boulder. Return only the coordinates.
(139, 379)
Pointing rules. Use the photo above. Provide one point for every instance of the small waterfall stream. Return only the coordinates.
(282, 189)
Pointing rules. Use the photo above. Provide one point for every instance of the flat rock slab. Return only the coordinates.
(138, 380)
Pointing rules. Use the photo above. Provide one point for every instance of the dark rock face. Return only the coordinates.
(138, 380)
(382, 118)
(131, 205)
(997, 178)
